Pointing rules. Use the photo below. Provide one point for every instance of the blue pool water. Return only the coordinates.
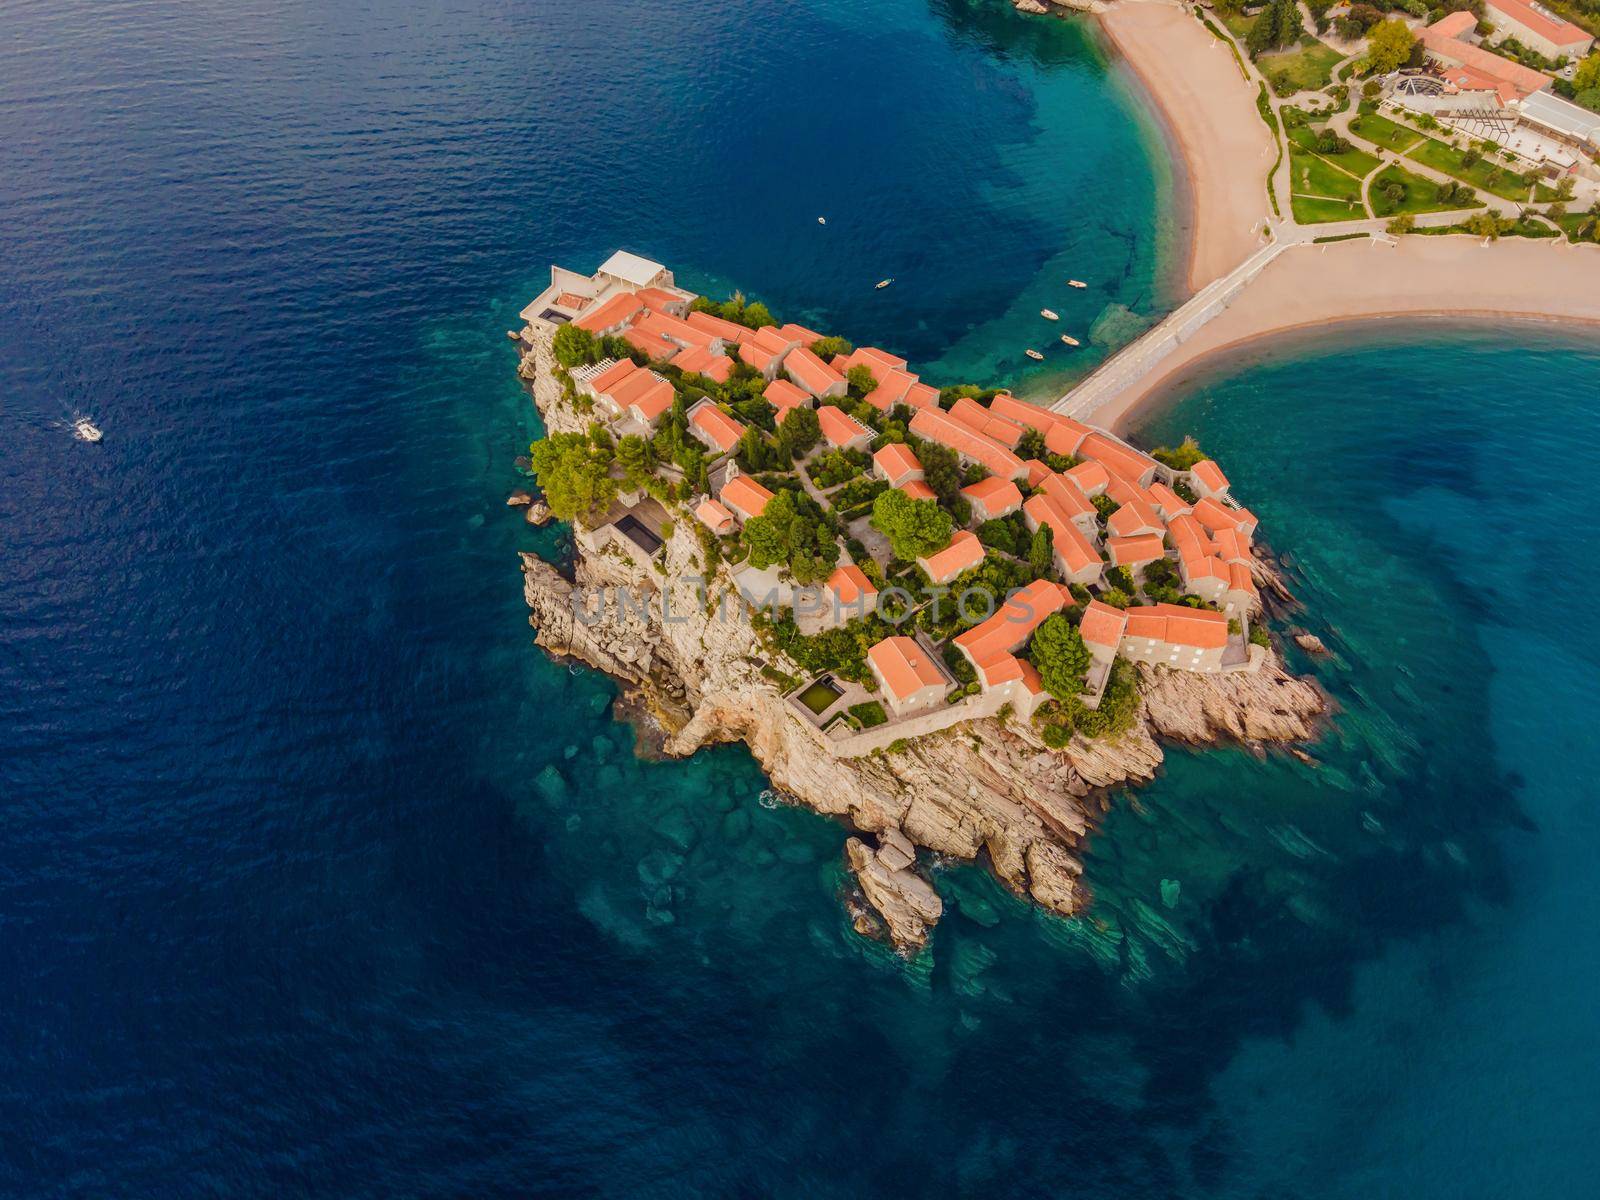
(316, 879)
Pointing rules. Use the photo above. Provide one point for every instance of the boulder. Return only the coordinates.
(519, 499)
(1310, 643)
(539, 513)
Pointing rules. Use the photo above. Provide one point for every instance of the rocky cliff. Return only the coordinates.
(692, 660)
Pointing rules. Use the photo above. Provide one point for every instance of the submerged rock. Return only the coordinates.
(1310, 643)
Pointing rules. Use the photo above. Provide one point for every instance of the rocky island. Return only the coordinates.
(948, 617)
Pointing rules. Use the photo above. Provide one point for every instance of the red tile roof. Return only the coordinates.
(745, 496)
(904, 667)
(1512, 81)
(1073, 549)
(1014, 624)
(612, 375)
(810, 372)
(963, 553)
(849, 583)
(1102, 625)
(1134, 551)
(799, 333)
(645, 391)
(918, 490)
(714, 515)
(698, 360)
(1037, 471)
(993, 496)
(1116, 457)
(897, 464)
(783, 396)
(717, 425)
(759, 357)
(1066, 496)
(612, 313)
(1210, 475)
(1133, 518)
(1090, 477)
(937, 426)
(839, 428)
(891, 390)
(1545, 24)
(1179, 625)
(728, 331)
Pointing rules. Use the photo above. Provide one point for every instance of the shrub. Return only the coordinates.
(869, 713)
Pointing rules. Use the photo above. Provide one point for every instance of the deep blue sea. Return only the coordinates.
(317, 879)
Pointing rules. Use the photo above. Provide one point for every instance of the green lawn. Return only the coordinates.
(1313, 210)
(1308, 67)
(1419, 196)
(1311, 175)
(1573, 222)
(1381, 131)
(1238, 24)
(1434, 153)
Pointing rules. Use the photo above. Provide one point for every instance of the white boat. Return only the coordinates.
(85, 430)
(883, 283)
(1069, 340)
(1048, 315)
(1077, 283)
(1035, 355)
(822, 220)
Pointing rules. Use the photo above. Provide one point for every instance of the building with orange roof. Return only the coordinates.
(896, 465)
(991, 646)
(762, 359)
(631, 394)
(1242, 597)
(920, 395)
(880, 362)
(891, 389)
(1231, 545)
(1101, 629)
(1075, 555)
(728, 332)
(935, 426)
(812, 374)
(799, 334)
(993, 498)
(963, 553)
(1138, 516)
(1118, 458)
(1537, 28)
(673, 303)
(1207, 479)
(1168, 503)
(1469, 67)
(715, 429)
(1204, 574)
(1072, 503)
(744, 497)
(715, 516)
(911, 678)
(610, 317)
(842, 431)
(652, 345)
(1135, 551)
(1038, 472)
(1091, 478)
(783, 396)
(1174, 635)
(850, 595)
(700, 361)
(918, 490)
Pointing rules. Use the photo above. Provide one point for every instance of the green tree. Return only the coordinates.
(800, 430)
(1483, 224)
(826, 348)
(637, 459)
(914, 527)
(1059, 655)
(1402, 224)
(1587, 76)
(753, 453)
(1031, 445)
(1041, 550)
(756, 315)
(861, 380)
(941, 469)
(574, 472)
(999, 535)
(1289, 23)
(573, 346)
(1389, 46)
(1263, 34)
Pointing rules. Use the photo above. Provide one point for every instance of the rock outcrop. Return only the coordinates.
(687, 652)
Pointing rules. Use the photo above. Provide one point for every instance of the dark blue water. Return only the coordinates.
(316, 879)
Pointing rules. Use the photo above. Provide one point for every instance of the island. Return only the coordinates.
(950, 617)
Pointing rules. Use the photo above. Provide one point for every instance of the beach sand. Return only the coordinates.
(1210, 114)
(1340, 282)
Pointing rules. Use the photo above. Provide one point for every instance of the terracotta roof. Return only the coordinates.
(799, 333)
(1090, 477)
(1514, 80)
(1030, 678)
(936, 426)
(1074, 550)
(1014, 624)
(921, 395)
(602, 383)
(768, 337)
(572, 300)
(1116, 457)
(653, 345)
(714, 515)
(646, 391)
(659, 298)
(664, 325)
(1203, 566)
(1214, 515)
(783, 396)
(745, 496)
(1066, 496)
(839, 427)
(698, 360)
(758, 356)
(1239, 579)
(1545, 24)
(1133, 551)
(728, 331)
(896, 463)
(613, 312)
(994, 495)
(918, 490)
(849, 583)
(1102, 625)
(904, 667)
(1168, 501)
(1179, 625)
(1066, 437)
(717, 425)
(963, 553)
(1453, 24)
(891, 390)
(1232, 545)
(1037, 471)
(810, 372)
(1133, 518)
(1209, 474)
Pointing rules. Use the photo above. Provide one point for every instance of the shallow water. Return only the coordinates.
(317, 879)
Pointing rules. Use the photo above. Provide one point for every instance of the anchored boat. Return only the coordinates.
(1035, 355)
(883, 283)
(1069, 340)
(86, 430)
(1077, 283)
(1048, 315)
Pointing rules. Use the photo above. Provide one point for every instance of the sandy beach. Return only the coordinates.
(1210, 112)
(1356, 281)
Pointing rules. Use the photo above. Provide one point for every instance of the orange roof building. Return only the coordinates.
(909, 676)
(918, 490)
(1075, 555)
(851, 587)
(783, 396)
(814, 375)
(1538, 28)
(1208, 478)
(935, 426)
(1135, 551)
(719, 432)
(714, 516)
(963, 553)
(1101, 628)
(896, 464)
(1091, 478)
(730, 332)
(842, 431)
(993, 498)
(744, 497)
(1137, 516)
(1173, 635)
(630, 392)
(699, 360)
(1118, 458)
(610, 316)
(1471, 68)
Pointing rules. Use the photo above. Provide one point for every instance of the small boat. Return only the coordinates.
(822, 220)
(1048, 315)
(1035, 355)
(1069, 340)
(883, 283)
(86, 430)
(1077, 283)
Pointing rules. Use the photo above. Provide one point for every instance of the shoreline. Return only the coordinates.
(1363, 282)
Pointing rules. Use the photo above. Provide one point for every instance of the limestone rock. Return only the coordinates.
(907, 902)
(519, 499)
(1310, 643)
(1029, 6)
(1267, 705)
(539, 513)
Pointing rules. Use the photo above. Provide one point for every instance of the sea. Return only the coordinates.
(317, 879)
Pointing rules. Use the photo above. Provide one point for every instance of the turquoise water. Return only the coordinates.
(317, 879)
